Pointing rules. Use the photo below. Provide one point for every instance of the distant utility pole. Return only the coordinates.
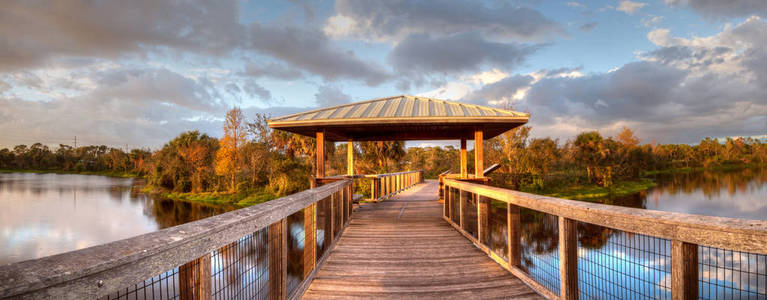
(75, 142)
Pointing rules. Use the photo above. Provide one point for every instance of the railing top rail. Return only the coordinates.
(369, 175)
(720, 232)
(391, 174)
(101, 269)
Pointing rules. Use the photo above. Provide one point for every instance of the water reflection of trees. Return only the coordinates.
(711, 182)
(168, 213)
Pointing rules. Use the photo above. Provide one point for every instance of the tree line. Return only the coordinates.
(252, 157)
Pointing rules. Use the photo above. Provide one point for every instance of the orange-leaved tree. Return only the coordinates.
(228, 155)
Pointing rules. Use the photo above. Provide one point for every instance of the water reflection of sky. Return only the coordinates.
(45, 214)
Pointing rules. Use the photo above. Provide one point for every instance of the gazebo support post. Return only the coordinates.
(464, 160)
(350, 158)
(320, 164)
(479, 155)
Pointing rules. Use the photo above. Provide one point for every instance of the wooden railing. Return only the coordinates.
(270, 249)
(386, 185)
(684, 232)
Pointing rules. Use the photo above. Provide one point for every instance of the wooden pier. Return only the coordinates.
(401, 248)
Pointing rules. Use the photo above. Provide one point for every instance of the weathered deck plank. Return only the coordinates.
(401, 248)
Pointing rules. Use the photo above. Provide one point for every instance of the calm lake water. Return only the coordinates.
(45, 214)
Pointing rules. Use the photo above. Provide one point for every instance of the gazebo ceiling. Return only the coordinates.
(401, 118)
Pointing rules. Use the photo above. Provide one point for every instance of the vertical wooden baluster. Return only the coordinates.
(445, 201)
(349, 204)
(483, 210)
(568, 259)
(513, 230)
(373, 184)
(194, 279)
(388, 185)
(461, 202)
(340, 209)
(345, 205)
(331, 220)
(278, 260)
(684, 270)
(310, 238)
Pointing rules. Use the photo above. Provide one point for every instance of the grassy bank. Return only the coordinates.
(241, 199)
(100, 173)
(592, 192)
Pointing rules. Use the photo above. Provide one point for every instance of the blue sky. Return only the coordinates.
(141, 72)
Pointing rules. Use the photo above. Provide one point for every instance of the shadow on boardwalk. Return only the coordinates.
(401, 248)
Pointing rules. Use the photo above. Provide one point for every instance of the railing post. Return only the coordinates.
(374, 192)
(278, 260)
(513, 229)
(310, 238)
(568, 259)
(194, 279)
(684, 270)
(483, 228)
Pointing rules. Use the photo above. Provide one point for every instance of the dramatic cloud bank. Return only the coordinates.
(141, 72)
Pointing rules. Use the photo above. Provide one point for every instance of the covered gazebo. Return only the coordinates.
(402, 118)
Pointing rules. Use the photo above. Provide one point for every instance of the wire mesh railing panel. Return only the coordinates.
(455, 205)
(497, 223)
(240, 270)
(337, 213)
(163, 286)
(470, 219)
(295, 240)
(727, 274)
(613, 264)
(323, 227)
(540, 248)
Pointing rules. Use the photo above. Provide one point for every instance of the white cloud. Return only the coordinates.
(393, 21)
(630, 7)
(649, 21)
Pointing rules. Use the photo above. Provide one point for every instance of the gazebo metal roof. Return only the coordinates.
(401, 118)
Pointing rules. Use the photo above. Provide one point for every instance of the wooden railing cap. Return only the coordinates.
(726, 233)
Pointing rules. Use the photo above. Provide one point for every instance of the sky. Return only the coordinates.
(138, 73)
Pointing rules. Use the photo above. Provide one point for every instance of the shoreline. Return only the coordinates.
(95, 173)
(727, 167)
(592, 192)
(216, 198)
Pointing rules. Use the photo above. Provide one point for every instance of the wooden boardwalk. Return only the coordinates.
(401, 248)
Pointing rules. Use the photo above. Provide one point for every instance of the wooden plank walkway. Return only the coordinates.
(401, 248)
